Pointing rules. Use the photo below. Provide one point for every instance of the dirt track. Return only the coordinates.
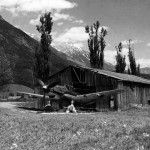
(9, 105)
(13, 106)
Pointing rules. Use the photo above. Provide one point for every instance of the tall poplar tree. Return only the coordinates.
(134, 69)
(96, 44)
(42, 52)
(120, 60)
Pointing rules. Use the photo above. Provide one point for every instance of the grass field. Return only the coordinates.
(25, 130)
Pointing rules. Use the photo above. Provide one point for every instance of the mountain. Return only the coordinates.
(145, 70)
(20, 47)
(79, 55)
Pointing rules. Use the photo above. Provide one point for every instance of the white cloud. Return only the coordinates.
(110, 56)
(35, 21)
(126, 42)
(144, 62)
(107, 44)
(60, 23)
(13, 11)
(74, 34)
(148, 44)
(55, 16)
(58, 16)
(79, 21)
(78, 45)
(54, 34)
(35, 5)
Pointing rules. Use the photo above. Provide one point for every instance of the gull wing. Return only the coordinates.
(92, 97)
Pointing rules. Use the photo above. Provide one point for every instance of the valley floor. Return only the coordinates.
(25, 130)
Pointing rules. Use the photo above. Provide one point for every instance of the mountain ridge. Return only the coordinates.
(80, 55)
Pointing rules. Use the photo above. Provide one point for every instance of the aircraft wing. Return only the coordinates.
(33, 94)
(92, 97)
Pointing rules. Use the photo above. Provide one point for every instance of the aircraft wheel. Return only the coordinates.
(49, 108)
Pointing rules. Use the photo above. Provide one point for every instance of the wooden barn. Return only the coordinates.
(85, 80)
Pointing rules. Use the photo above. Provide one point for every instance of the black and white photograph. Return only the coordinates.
(74, 74)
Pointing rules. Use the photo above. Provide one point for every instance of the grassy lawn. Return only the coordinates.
(25, 130)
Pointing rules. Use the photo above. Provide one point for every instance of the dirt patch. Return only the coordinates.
(14, 106)
(8, 105)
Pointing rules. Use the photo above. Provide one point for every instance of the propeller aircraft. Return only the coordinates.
(86, 99)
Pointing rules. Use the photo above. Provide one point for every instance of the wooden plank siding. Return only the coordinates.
(135, 92)
(104, 83)
(65, 77)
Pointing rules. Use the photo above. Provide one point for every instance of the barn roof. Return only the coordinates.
(119, 76)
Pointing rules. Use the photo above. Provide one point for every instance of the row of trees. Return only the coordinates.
(97, 44)
(120, 67)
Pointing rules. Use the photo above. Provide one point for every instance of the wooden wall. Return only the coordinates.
(135, 93)
(63, 77)
(101, 82)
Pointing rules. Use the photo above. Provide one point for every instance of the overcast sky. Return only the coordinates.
(124, 20)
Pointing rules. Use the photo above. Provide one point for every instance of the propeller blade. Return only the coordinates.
(41, 82)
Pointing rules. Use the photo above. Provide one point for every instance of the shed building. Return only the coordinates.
(136, 89)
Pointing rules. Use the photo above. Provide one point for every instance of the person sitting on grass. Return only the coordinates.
(71, 108)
